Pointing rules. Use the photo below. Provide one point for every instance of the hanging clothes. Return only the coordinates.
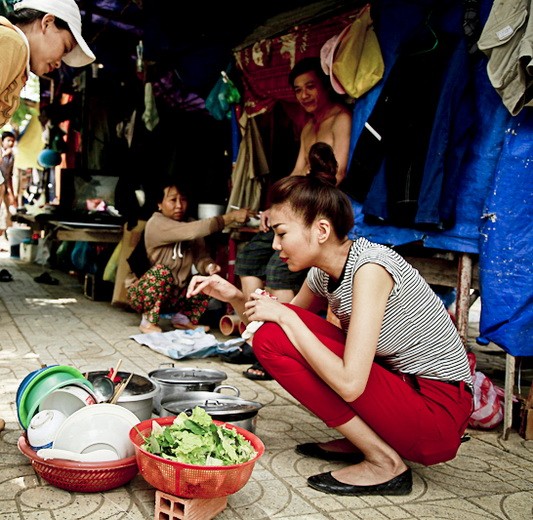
(404, 118)
(395, 24)
(507, 39)
(250, 170)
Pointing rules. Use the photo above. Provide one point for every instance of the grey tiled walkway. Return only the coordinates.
(490, 478)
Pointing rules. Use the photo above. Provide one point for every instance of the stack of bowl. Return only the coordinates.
(70, 444)
(73, 461)
(55, 387)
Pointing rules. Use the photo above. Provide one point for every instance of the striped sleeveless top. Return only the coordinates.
(417, 334)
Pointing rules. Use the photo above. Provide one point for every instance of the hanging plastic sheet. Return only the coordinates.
(494, 199)
(505, 266)
(473, 174)
(222, 97)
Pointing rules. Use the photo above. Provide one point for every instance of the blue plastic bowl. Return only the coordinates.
(42, 384)
(27, 380)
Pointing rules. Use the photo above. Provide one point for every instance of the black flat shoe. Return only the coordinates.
(312, 449)
(325, 482)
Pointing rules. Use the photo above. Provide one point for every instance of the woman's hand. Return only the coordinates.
(214, 286)
(264, 308)
(264, 225)
(238, 216)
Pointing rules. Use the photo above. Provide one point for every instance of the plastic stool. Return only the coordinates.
(169, 507)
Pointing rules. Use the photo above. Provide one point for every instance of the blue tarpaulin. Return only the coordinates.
(506, 245)
(494, 190)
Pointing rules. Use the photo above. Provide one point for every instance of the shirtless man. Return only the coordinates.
(329, 121)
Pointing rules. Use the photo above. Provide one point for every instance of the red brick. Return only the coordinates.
(169, 507)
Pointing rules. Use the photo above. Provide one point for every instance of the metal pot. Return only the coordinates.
(221, 407)
(175, 381)
(137, 397)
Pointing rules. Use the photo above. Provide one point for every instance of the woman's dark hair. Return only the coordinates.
(26, 16)
(322, 160)
(169, 183)
(315, 195)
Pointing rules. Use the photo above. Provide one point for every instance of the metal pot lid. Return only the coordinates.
(214, 403)
(138, 385)
(188, 375)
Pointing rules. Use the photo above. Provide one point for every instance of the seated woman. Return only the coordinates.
(394, 380)
(174, 244)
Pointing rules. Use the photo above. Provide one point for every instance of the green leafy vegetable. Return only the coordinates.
(197, 440)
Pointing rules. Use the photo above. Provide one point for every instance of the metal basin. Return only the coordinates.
(221, 407)
(175, 381)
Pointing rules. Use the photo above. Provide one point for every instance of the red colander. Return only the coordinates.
(188, 480)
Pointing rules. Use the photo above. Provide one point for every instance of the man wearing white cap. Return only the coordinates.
(37, 37)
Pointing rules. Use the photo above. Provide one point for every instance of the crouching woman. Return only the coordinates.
(174, 244)
(394, 380)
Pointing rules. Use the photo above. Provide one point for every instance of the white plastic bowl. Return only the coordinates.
(68, 399)
(44, 427)
(100, 426)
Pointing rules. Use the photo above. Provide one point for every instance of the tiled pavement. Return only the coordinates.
(489, 479)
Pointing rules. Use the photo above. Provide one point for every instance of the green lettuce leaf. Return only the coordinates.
(197, 440)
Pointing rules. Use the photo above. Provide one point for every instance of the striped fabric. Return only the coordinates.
(417, 335)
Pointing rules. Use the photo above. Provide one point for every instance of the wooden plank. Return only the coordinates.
(86, 235)
(440, 271)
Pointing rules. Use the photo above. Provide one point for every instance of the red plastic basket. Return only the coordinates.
(84, 477)
(187, 480)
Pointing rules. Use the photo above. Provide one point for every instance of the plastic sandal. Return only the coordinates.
(264, 376)
(243, 356)
(5, 276)
(47, 279)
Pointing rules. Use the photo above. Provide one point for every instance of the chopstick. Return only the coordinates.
(119, 389)
(141, 434)
(115, 371)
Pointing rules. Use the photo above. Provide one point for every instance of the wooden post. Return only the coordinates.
(462, 306)
(508, 398)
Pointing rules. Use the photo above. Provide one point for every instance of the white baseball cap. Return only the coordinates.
(69, 12)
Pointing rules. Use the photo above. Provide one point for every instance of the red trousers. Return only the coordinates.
(423, 425)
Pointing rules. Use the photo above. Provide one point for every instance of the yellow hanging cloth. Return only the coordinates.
(358, 64)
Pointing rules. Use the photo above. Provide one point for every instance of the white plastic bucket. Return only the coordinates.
(210, 210)
(16, 235)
